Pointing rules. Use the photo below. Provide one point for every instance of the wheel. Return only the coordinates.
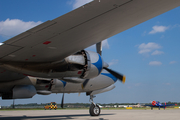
(94, 110)
(49, 108)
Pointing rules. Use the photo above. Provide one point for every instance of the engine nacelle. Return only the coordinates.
(95, 65)
(21, 92)
(74, 68)
(91, 62)
(154, 103)
(101, 90)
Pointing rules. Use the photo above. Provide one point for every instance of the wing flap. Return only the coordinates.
(7, 50)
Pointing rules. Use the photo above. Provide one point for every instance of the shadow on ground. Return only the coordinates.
(53, 117)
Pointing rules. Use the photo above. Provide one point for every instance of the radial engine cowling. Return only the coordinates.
(153, 103)
(95, 65)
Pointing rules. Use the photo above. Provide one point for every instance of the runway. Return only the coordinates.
(84, 115)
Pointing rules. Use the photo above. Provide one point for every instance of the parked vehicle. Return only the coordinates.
(50, 106)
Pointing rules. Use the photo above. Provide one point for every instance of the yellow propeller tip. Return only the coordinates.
(124, 79)
(82, 86)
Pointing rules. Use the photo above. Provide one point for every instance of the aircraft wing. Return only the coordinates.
(148, 105)
(170, 105)
(98, 20)
(163, 105)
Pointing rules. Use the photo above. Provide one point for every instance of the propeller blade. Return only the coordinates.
(83, 85)
(50, 85)
(62, 101)
(121, 77)
(99, 47)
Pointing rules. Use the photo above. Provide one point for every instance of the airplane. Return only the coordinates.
(51, 57)
(157, 104)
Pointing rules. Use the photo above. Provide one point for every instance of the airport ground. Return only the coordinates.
(83, 114)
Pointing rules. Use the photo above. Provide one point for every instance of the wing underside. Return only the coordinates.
(56, 39)
(98, 20)
(6, 75)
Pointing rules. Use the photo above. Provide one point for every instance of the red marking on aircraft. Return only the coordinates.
(28, 75)
(79, 72)
(3, 71)
(47, 42)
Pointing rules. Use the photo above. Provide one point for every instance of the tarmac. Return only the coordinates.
(84, 115)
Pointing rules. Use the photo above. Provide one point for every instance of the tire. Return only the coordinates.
(49, 108)
(94, 110)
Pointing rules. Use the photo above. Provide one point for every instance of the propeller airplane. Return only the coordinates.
(50, 58)
(157, 104)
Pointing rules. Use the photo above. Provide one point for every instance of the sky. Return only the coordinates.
(148, 54)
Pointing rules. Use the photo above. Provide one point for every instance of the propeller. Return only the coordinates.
(83, 85)
(50, 85)
(62, 101)
(99, 47)
(119, 76)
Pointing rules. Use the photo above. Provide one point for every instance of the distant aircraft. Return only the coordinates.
(157, 104)
(50, 58)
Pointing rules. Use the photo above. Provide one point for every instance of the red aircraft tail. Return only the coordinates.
(165, 105)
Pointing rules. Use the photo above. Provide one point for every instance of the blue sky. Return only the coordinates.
(148, 54)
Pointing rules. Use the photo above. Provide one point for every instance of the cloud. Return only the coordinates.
(172, 62)
(144, 33)
(162, 36)
(157, 29)
(105, 44)
(149, 47)
(12, 27)
(155, 63)
(176, 25)
(79, 3)
(167, 83)
(113, 62)
(157, 52)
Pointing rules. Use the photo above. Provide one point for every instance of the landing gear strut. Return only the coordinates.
(94, 109)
